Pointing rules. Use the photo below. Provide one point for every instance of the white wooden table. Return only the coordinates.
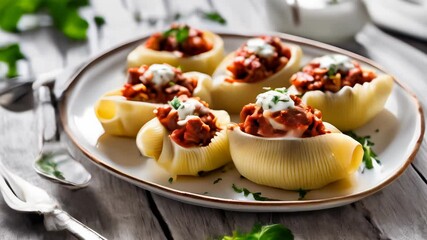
(119, 210)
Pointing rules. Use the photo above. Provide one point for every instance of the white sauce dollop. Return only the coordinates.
(162, 74)
(260, 47)
(187, 109)
(275, 100)
(341, 62)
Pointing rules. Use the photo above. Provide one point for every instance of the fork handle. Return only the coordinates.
(61, 220)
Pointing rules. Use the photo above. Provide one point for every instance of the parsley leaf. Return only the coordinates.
(48, 166)
(175, 103)
(215, 17)
(267, 232)
(10, 55)
(217, 180)
(302, 193)
(369, 155)
(64, 14)
(333, 69)
(170, 180)
(181, 33)
(99, 21)
(257, 196)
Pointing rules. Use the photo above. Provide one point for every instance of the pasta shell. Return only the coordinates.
(294, 163)
(204, 62)
(122, 117)
(233, 96)
(153, 141)
(351, 107)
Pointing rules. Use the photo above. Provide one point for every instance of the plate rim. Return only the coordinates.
(229, 203)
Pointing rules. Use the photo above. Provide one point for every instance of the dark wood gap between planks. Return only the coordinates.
(420, 174)
(163, 225)
(360, 207)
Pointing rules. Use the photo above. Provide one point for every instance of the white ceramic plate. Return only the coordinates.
(397, 132)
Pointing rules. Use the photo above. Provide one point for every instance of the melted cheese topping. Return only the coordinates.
(161, 74)
(340, 62)
(260, 47)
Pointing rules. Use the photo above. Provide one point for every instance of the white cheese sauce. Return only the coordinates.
(161, 74)
(273, 101)
(260, 47)
(187, 109)
(341, 62)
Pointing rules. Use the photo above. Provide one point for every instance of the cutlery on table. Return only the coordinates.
(54, 161)
(25, 197)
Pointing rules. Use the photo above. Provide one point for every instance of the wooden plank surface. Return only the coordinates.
(119, 210)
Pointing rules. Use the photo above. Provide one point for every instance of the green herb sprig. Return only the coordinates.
(175, 103)
(10, 54)
(257, 195)
(369, 155)
(181, 33)
(215, 17)
(267, 232)
(64, 14)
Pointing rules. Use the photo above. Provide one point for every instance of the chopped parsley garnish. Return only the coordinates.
(48, 166)
(332, 71)
(215, 17)
(275, 99)
(175, 103)
(217, 180)
(181, 34)
(267, 232)
(369, 155)
(10, 55)
(170, 180)
(302, 193)
(257, 196)
(281, 90)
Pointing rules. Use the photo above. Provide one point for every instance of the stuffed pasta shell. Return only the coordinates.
(186, 137)
(124, 111)
(260, 62)
(283, 143)
(180, 45)
(347, 95)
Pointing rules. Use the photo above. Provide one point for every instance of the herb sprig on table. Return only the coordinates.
(214, 17)
(267, 232)
(369, 156)
(64, 14)
(10, 54)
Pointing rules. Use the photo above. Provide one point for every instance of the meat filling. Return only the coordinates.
(196, 129)
(144, 85)
(182, 40)
(316, 76)
(258, 59)
(299, 121)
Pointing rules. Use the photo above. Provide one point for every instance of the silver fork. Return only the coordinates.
(25, 197)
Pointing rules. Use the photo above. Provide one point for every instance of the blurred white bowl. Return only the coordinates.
(322, 20)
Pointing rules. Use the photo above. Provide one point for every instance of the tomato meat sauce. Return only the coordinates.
(331, 73)
(182, 40)
(191, 128)
(258, 59)
(158, 83)
(297, 121)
